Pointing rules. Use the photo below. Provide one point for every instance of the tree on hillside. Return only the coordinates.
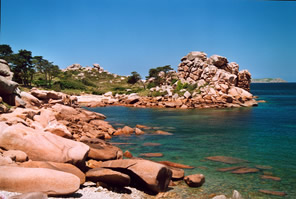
(5, 52)
(48, 69)
(154, 73)
(134, 78)
(22, 67)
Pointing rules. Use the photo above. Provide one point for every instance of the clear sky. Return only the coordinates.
(136, 35)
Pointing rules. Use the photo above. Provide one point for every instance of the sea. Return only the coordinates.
(263, 136)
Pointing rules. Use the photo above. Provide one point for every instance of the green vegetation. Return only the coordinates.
(38, 72)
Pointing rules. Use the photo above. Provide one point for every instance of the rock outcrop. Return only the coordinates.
(8, 88)
(144, 174)
(40, 145)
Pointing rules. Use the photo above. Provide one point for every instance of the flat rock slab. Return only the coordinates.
(245, 170)
(65, 167)
(270, 178)
(229, 168)
(263, 167)
(108, 176)
(225, 159)
(49, 181)
(144, 174)
(176, 165)
(151, 144)
(177, 174)
(151, 154)
(275, 193)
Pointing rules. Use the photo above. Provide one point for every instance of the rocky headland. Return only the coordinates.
(201, 82)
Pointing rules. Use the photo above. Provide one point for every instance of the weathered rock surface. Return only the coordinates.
(5, 70)
(195, 180)
(108, 176)
(49, 181)
(101, 150)
(144, 174)
(68, 168)
(44, 146)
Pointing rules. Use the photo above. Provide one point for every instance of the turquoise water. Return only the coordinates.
(263, 135)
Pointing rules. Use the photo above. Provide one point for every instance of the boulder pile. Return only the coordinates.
(200, 82)
(196, 67)
(53, 146)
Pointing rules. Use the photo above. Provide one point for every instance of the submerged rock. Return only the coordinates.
(245, 170)
(270, 178)
(225, 159)
(275, 193)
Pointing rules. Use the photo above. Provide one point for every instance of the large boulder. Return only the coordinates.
(43, 146)
(7, 87)
(65, 167)
(30, 100)
(144, 174)
(5, 70)
(49, 181)
(244, 80)
(101, 150)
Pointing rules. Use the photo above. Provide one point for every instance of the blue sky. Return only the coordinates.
(136, 35)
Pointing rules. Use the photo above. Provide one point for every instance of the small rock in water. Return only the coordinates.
(275, 193)
(245, 170)
(195, 180)
(127, 154)
(151, 154)
(225, 159)
(271, 178)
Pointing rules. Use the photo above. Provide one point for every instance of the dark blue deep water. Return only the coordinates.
(263, 135)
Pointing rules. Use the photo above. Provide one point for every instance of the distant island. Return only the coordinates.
(268, 80)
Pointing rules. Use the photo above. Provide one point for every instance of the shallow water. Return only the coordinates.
(263, 135)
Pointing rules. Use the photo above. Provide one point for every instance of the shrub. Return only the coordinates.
(88, 82)
(56, 87)
(71, 84)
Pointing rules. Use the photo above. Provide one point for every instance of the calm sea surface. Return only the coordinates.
(263, 135)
